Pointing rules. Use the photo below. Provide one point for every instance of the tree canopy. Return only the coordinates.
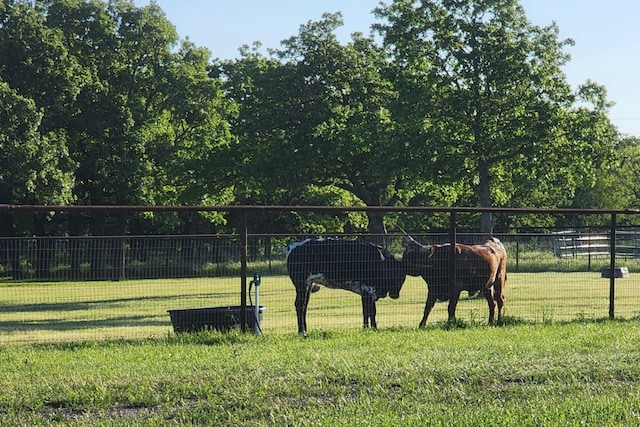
(136, 117)
(503, 115)
(449, 102)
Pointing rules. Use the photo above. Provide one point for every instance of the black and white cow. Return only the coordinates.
(364, 268)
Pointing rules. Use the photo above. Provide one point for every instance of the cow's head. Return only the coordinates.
(395, 276)
(417, 258)
(396, 282)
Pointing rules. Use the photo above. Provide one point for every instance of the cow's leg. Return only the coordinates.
(498, 297)
(490, 296)
(453, 302)
(431, 301)
(369, 311)
(302, 302)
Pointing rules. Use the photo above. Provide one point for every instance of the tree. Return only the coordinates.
(625, 174)
(505, 119)
(136, 116)
(32, 170)
(616, 185)
(318, 114)
(37, 64)
(148, 119)
(37, 81)
(32, 164)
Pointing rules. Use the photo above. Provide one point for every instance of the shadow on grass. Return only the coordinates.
(96, 314)
(92, 304)
(71, 325)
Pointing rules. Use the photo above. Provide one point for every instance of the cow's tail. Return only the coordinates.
(495, 246)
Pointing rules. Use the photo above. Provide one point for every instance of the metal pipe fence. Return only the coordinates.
(70, 288)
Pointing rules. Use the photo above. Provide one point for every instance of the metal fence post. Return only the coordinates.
(612, 266)
(452, 258)
(243, 272)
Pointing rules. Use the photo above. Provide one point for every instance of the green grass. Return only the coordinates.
(103, 353)
(577, 373)
(41, 312)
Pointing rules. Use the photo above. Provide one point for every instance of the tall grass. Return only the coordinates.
(578, 373)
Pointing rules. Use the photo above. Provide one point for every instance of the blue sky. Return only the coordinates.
(606, 33)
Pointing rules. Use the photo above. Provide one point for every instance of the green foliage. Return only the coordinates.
(118, 104)
(615, 182)
(36, 81)
(34, 166)
(456, 103)
(324, 115)
(501, 109)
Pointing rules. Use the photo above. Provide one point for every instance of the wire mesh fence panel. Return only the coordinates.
(112, 294)
(83, 288)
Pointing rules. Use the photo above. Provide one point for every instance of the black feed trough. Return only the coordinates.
(217, 318)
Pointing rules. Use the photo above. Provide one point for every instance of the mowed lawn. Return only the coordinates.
(40, 312)
(103, 353)
(572, 374)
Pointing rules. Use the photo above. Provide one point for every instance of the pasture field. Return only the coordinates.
(581, 373)
(46, 312)
(103, 353)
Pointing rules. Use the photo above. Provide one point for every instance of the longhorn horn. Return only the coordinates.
(407, 239)
(405, 233)
(432, 251)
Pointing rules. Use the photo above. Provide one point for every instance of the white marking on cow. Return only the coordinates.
(354, 286)
(294, 245)
(316, 278)
(369, 290)
(313, 280)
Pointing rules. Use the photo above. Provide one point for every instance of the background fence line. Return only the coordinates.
(123, 285)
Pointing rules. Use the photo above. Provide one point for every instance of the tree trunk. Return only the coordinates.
(376, 227)
(97, 251)
(484, 190)
(120, 247)
(75, 247)
(44, 248)
(10, 247)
